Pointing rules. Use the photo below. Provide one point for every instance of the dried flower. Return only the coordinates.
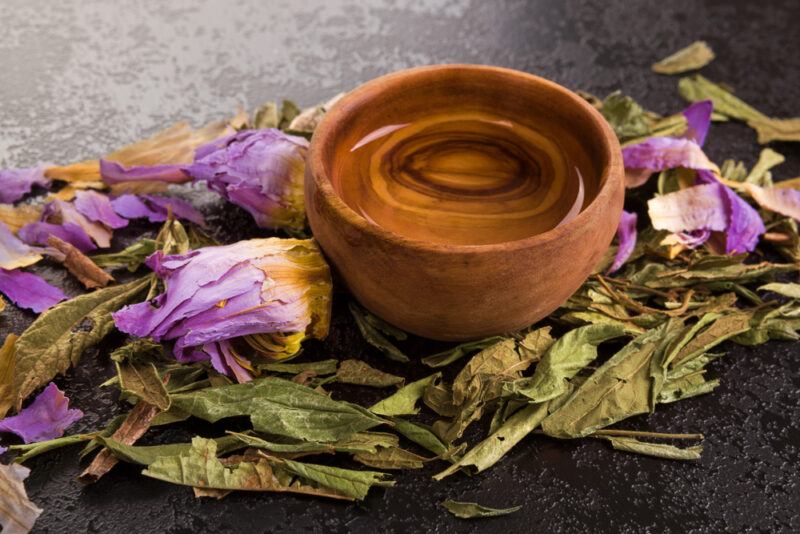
(259, 170)
(18, 182)
(45, 418)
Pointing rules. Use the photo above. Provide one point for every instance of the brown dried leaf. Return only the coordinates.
(81, 267)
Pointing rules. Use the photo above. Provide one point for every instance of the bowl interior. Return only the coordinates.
(506, 197)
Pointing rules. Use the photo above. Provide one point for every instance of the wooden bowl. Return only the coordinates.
(457, 292)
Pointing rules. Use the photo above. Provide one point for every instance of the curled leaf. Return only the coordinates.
(659, 450)
(695, 56)
(404, 400)
(362, 374)
(472, 510)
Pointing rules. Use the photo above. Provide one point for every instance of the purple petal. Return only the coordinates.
(97, 207)
(744, 224)
(62, 212)
(180, 208)
(225, 362)
(27, 290)
(38, 232)
(155, 208)
(698, 120)
(626, 235)
(132, 207)
(661, 153)
(13, 252)
(701, 207)
(114, 173)
(781, 200)
(16, 183)
(693, 239)
(259, 170)
(45, 418)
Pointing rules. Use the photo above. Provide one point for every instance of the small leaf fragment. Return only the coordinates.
(658, 450)
(404, 400)
(362, 374)
(472, 510)
(693, 57)
(375, 331)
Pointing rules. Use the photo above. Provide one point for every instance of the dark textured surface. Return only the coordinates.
(81, 78)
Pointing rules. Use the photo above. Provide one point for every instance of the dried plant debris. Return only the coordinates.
(711, 259)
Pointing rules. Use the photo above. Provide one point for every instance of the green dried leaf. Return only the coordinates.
(724, 327)
(489, 451)
(791, 290)
(59, 336)
(7, 365)
(767, 159)
(138, 350)
(374, 331)
(391, 458)
(30, 450)
(696, 88)
(362, 374)
(440, 359)
(172, 238)
(353, 484)
(482, 380)
(685, 387)
(289, 110)
(143, 380)
(17, 513)
(279, 407)
(147, 454)
(319, 368)
(769, 129)
(659, 450)
(131, 257)
(404, 400)
(564, 359)
(620, 388)
(625, 116)
(420, 434)
(199, 467)
(695, 56)
(734, 171)
(472, 510)
(266, 116)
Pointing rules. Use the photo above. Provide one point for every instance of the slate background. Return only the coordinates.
(80, 78)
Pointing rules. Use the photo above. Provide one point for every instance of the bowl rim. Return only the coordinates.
(315, 164)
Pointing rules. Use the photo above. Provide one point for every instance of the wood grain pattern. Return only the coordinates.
(461, 290)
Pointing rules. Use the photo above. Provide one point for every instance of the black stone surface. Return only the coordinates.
(80, 78)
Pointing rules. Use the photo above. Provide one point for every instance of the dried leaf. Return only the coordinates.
(81, 267)
(659, 450)
(279, 407)
(7, 365)
(374, 331)
(448, 356)
(200, 467)
(563, 360)
(391, 458)
(354, 484)
(147, 454)
(131, 257)
(472, 510)
(421, 435)
(31, 450)
(362, 374)
(791, 290)
(320, 368)
(769, 129)
(143, 380)
(57, 338)
(404, 400)
(767, 159)
(696, 88)
(695, 56)
(625, 116)
(489, 451)
(724, 327)
(17, 512)
(620, 388)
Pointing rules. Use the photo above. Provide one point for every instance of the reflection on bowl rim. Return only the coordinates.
(611, 154)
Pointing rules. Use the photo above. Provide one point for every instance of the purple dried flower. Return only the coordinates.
(155, 208)
(626, 236)
(97, 207)
(28, 290)
(271, 292)
(260, 170)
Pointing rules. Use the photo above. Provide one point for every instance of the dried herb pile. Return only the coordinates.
(712, 258)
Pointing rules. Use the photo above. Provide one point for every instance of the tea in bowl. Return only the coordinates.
(460, 201)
